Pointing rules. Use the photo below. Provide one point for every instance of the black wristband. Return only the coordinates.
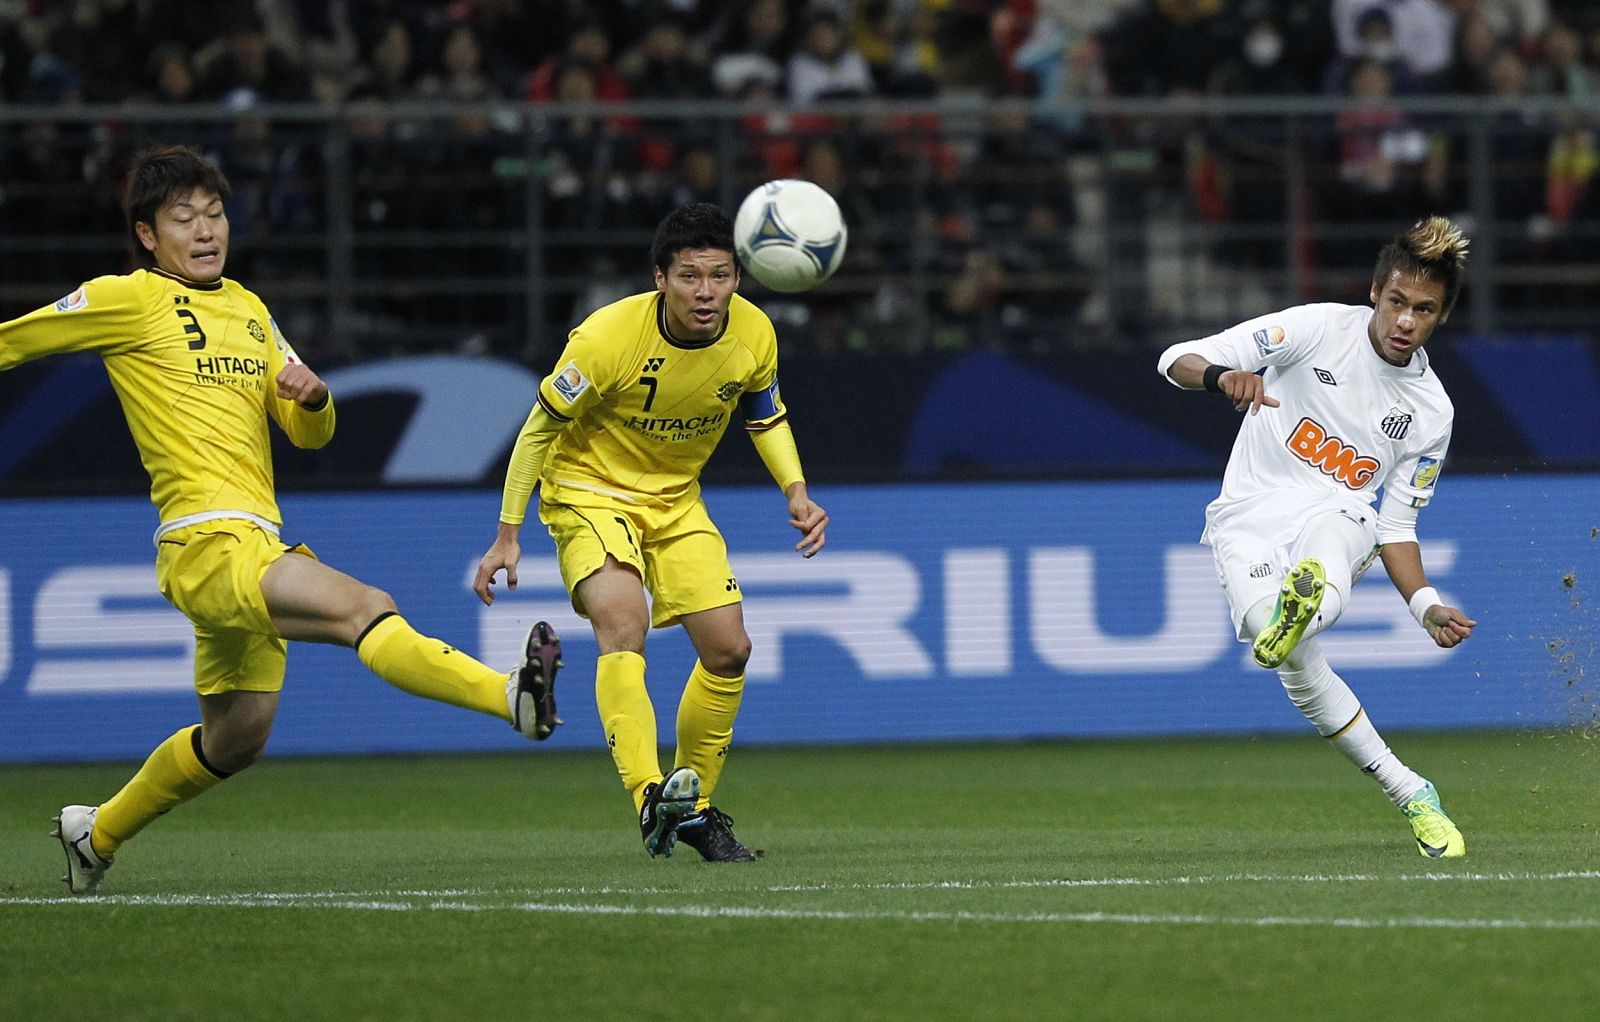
(1213, 378)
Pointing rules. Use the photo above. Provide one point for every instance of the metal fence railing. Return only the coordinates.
(379, 229)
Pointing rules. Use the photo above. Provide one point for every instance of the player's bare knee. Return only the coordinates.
(372, 604)
(231, 749)
(727, 659)
(621, 636)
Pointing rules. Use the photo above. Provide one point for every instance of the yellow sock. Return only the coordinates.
(705, 725)
(412, 662)
(629, 720)
(174, 774)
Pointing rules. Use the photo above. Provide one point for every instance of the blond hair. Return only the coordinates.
(1434, 247)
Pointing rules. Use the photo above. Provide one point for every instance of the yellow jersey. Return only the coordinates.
(194, 366)
(647, 410)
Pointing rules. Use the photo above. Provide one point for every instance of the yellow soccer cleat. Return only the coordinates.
(1299, 598)
(1437, 835)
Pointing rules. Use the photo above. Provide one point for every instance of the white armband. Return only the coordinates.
(1421, 601)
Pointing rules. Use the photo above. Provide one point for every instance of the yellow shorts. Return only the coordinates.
(212, 572)
(678, 552)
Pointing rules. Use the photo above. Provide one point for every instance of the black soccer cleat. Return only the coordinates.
(531, 692)
(667, 805)
(710, 832)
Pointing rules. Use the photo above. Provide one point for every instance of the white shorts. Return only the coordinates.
(1253, 547)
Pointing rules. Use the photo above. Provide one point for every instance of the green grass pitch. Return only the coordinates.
(1222, 879)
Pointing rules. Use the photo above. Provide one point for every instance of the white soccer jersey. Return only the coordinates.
(1348, 423)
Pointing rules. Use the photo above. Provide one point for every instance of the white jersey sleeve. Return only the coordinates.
(1412, 478)
(1283, 338)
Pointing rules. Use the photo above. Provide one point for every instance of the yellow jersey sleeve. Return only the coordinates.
(590, 367)
(762, 404)
(104, 315)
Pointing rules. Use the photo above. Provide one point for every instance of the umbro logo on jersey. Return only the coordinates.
(1311, 443)
(1396, 425)
(653, 365)
(1325, 376)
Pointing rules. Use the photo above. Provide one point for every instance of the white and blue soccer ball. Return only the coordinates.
(790, 235)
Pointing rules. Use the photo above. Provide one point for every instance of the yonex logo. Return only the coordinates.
(1311, 443)
(653, 364)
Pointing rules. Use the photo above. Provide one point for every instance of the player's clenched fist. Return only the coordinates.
(302, 386)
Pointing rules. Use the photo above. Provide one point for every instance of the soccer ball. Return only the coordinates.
(789, 234)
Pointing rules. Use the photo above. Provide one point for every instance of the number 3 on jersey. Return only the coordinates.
(191, 325)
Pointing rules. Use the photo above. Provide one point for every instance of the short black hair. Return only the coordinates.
(1434, 248)
(698, 225)
(157, 176)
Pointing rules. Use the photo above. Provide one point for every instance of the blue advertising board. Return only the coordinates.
(938, 612)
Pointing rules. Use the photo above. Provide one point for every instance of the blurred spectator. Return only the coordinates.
(513, 38)
(1044, 284)
(389, 62)
(665, 65)
(969, 304)
(753, 46)
(271, 190)
(1162, 47)
(246, 68)
(1262, 64)
(590, 47)
(1424, 33)
(193, 23)
(1516, 21)
(1383, 164)
(1375, 42)
(900, 43)
(106, 41)
(460, 75)
(825, 67)
(1563, 72)
(1476, 45)
(1519, 175)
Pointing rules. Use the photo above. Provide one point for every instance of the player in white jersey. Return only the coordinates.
(1343, 403)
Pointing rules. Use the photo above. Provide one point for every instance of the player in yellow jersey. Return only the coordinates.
(638, 400)
(200, 368)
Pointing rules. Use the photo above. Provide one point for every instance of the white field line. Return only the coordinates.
(456, 900)
(828, 915)
(908, 885)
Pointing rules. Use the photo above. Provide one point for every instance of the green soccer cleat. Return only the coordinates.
(1437, 835)
(1299, 598)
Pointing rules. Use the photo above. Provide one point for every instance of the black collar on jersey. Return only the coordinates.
(666, 335)
(215, 285)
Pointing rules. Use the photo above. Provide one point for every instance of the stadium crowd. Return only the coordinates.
(996, 194)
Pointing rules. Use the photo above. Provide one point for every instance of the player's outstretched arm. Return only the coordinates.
(807, 516)
(1446, 625)
(1245, 389)
(503, 554)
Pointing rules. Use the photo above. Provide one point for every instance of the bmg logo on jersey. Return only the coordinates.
(1312, 444)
